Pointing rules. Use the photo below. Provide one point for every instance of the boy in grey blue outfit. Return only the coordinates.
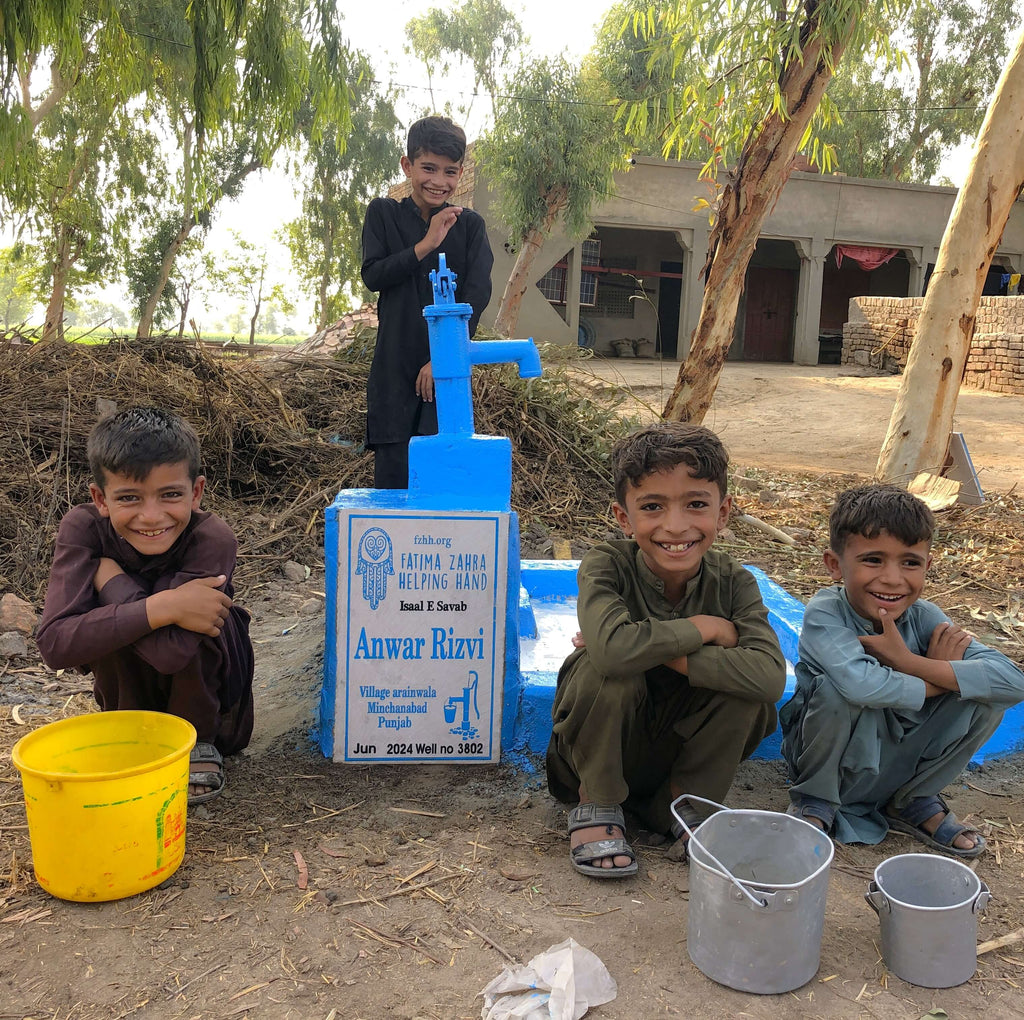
(892, 699)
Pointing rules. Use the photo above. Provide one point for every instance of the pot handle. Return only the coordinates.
(760, 904)
(876, 899)
(981, 900)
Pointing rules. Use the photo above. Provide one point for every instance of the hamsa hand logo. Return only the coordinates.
(375, 562)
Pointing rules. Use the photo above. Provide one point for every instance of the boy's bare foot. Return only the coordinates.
(205, 773)
(929, 820)
(198, 789)
(593, 834)
(962, 840)
(820, 813)
(597, 841)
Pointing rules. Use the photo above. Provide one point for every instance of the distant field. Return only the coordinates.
(104, 334)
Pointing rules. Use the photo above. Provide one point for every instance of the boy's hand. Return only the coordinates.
(716, 630)
(440, 223)
(888, 647)
(197, 605)
(577, 640)
(948, 642)
(425, 383)
(106, 569)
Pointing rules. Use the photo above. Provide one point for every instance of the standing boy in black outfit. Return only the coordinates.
(401, 242)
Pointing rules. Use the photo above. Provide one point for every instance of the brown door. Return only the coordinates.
(768, 325)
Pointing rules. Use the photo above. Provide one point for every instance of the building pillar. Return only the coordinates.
(691, 294)
(918, 267)
(808, 302)
(573, 279)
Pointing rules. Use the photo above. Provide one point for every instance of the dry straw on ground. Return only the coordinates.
(280, 438)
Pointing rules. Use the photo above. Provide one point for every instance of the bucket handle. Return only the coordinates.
(876, 899)
(981, 900)
(760, 904)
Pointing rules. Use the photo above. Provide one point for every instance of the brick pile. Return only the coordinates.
(880, 331)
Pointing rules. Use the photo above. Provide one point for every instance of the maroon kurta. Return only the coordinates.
(206, 680)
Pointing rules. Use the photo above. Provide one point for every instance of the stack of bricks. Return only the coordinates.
(881, 330)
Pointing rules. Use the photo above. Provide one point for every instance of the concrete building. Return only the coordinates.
(638, 278)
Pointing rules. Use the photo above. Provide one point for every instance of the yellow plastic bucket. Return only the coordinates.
(106, 796)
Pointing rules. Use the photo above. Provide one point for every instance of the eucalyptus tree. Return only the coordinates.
(483, 33)
(898, 123)
(218, 34)
(922, 417)
(306, 90)
(225, 84)
(338, 183)
(16, 290)
(753, 75)
(621, 59)
(552, 153)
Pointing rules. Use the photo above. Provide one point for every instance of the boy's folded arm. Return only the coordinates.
(985, 674)
(616, 644)
(755, 668)
(211, 552)
(77, 627)
(829, 646)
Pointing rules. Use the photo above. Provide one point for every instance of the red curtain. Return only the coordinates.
(865, 257)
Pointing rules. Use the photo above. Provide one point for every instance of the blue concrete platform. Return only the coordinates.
(547, 622)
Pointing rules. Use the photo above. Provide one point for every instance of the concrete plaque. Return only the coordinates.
(420, 635)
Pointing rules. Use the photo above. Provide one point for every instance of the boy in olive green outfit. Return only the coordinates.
(678, 671)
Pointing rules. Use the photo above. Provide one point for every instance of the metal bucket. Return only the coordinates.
(928, 908)
(758, 882)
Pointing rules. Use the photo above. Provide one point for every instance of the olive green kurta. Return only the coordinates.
(631, 730)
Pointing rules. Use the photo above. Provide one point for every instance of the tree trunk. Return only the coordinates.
(53, 327)
(184, 316)
(325, 279)
(508, 312)
(764, 167)
(922, 417)
(145, 327)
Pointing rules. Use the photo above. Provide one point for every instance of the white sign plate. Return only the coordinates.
(421, 636)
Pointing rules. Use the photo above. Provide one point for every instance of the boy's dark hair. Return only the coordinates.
(134, 441)
(663, 445)
(869, 510)
(438, 135)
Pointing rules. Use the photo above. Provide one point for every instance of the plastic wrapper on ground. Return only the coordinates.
(559, 984)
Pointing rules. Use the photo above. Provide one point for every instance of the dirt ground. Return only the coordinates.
(424, 882)
(823, 417)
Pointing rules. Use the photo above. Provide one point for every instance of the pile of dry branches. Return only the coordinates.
(280, 438)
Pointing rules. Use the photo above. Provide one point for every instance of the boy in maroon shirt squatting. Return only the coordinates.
(140, 591)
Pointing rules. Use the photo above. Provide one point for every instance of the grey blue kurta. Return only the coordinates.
(206, 680)
(860, 735)
(630, 729)
(391, 231)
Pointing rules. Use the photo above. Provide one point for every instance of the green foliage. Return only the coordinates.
(240, 54)
(483, 33)
(727, 60)
(17, 270)
(619, 60)
(900, 125)
(553, 149)
(338, 183)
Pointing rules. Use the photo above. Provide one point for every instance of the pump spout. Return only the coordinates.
(523, 352)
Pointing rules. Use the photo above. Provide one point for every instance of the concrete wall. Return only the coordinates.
(813, 213)
(880, 332)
